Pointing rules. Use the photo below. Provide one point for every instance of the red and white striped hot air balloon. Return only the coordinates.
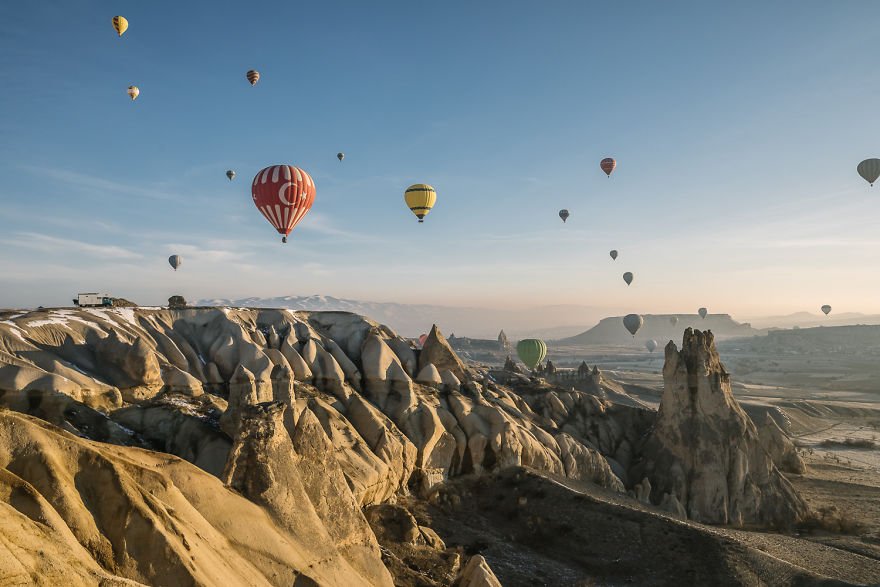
(608, 164)
(283, 194)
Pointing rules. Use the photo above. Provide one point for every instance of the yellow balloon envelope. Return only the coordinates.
(420, 198)
(133, 92)
(120, 24)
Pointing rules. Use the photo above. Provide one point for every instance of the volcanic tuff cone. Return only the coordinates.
(705, 452)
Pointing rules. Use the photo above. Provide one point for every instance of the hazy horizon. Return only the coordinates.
(736, 137)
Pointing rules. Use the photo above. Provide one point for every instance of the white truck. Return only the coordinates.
(86, 300)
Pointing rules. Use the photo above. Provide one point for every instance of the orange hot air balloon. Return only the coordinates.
(253, 76)
(608, 164)
(422, 339)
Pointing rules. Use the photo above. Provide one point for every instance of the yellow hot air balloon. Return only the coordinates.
(420, 198)
(120, 24)
(133, 92)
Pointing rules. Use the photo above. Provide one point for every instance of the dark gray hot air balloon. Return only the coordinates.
(632, 322)
(340, 156)
(628, 277)
(702, 312)
(869, 169)
(650, 345)
(564, 215)
(613, 255)
(230, 174)
(175, 261)
(826, 308)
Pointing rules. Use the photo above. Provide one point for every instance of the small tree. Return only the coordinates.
(176, 302)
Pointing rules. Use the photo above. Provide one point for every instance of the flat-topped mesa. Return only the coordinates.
(704, 451)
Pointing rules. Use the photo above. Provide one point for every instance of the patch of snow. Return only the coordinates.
(14, 329)
(78, 369)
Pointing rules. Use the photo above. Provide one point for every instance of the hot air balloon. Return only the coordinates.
(283, 194)
(564, 215)
(531, 351)
(650, 345)
(175, 261)
(673, 320)
(230, 174)
(422, 339)
(826, 308)
(420, 198)
(628, 277)
(608, 164)
(253, 76)
(613, 255)
(702, 312)
(119, 24)
(632, 322)
(340, 156)
(869, 169)
(133, 92)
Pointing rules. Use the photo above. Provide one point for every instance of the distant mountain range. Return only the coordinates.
(660, 328)
(563, 323)
(808, 320)
(414, 319)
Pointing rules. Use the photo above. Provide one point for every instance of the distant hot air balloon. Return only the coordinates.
(702, 312)
(613, 254)
(869, 169)
(632, 322)
(531, 351)
(133, 92)
(826, 308)
(340, 156)
(608, 164)
(230, 174)
(283, 194)
(628, 277)
(175, 261)
(673, 320)
(253, 76)
(420, 198)
(422, 339)
(650, 345)
(119, 24)
(564, 215)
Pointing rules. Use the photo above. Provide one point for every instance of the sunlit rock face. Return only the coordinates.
(705, 451)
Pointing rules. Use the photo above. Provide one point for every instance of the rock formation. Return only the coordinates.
(437, 351)
(503, 343)
(780, 447)
(704, 450)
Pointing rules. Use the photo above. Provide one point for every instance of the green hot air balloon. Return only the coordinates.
(651, 345)
(531, 351)
(613, 254)
(826, 308)
(628, 277)
(869, 169)
(702, 312)
(632, 322)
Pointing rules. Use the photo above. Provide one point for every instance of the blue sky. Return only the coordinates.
(736, 128)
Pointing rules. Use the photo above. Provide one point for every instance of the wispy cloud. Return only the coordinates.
(51, 244)
(104, 185)
(323, 224)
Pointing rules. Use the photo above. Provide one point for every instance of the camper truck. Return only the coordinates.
(87, 300)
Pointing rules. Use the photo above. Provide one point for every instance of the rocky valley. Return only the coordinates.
(219, 446)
